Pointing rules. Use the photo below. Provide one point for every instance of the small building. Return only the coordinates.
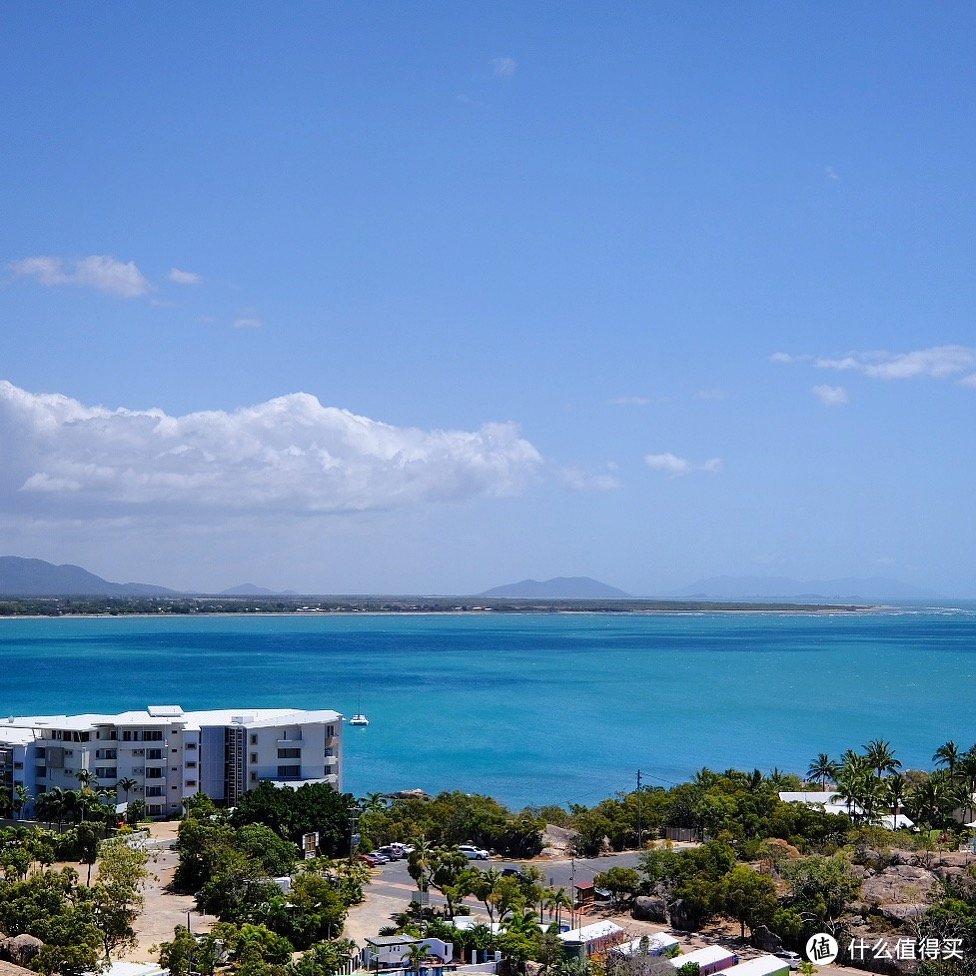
(711, 959)
(584, 893)
(593, 938)
(763, 966)
(390, 951)
(658, 943)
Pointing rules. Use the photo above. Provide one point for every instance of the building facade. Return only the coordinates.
(164, 755)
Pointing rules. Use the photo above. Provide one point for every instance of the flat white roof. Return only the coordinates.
(712, 953)
(165, 715)
(655, 941)
(597, 930)
(762, 966)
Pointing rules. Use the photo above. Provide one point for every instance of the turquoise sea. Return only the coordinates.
(532, 709)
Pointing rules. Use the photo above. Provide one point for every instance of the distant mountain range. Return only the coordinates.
(559, 588)
(762, 588)
(250, 589)
(35, 577)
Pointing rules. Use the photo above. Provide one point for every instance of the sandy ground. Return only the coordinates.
(163, 910)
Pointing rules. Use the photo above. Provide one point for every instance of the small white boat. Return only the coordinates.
(359, 719)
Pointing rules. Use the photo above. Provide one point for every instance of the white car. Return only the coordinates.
(473, 853)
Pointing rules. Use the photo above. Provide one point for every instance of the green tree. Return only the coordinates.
(822, 769)
(749, 897)
(619, 882)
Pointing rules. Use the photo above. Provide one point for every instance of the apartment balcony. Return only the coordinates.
(331, 761)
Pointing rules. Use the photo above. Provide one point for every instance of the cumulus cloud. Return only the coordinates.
(504, 67)
(290, 455)
(99, 271)
(830, 396)
(248, 322)
(676, 466)
(184, 277)
(785, 357)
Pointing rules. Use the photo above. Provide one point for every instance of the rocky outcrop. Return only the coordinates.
(764, 939)
(648, 908)
(20, 949)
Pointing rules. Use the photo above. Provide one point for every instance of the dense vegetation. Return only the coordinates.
(189, 604)
(791, 868)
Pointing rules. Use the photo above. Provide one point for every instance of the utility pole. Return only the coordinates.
(640, 815)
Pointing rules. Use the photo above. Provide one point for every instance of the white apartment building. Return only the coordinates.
(170, 754)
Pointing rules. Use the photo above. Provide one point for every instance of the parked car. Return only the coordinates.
(791, 957)
(390, 852)
(369, 859)
(512, 873)
(379, 857)
(473, 853)
(602, 894)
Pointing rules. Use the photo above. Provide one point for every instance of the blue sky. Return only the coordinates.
(429, 297)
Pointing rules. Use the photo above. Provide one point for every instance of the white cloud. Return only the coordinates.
(99, 271)
(584, 481)
(248, 322)
(628, 401)
(290, 455)
(711, 395)
(785, 357)
(830, 396)
(504, 67)
(184, 277)
(676, 466)
(831, 174)
(936, 362)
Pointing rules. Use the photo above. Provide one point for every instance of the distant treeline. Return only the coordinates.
(189, 605)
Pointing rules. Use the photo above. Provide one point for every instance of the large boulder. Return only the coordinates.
(648, 908)
(765, 939)
(898, 885)
(20, 949)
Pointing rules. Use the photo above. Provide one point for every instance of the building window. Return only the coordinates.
(154, 791)
(289, 753)
(286, 772)
(254, 740)
(191, 782)
(254, 757)
(154, 772)
(254, 777)
(154, 753)
(40, 752)
(106, 772)
(191, 745)
(40, 772)
(155, 809)
(191, 764)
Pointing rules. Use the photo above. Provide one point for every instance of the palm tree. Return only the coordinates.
(947, 755)
(560, 900)
(22, 800)
(126, 784)
(823, 768)
(934, 800)
(881, 757)
(894, 793)
(372, 803)
(853, 785)
(417, 955)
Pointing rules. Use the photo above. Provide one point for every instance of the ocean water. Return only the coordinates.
(532, 709)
